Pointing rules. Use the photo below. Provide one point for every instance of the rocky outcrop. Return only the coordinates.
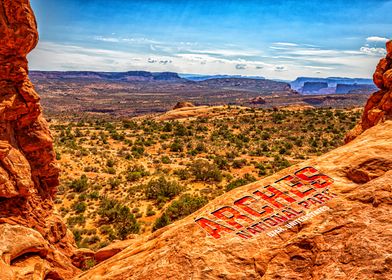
(35, 243)
(379, 105)
(183, 104)
(230, 237)
(257, 100)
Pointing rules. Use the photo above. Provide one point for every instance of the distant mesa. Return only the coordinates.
(333, 85)
(311, 87)
(183, 104)
(198, 77)
(130, 76)
(344, 88)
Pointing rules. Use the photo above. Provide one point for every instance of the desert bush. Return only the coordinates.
(239, 163)
(79, 207)
(150, 211)
(111, 170)
(247, 179)
(179, 209)
(183, 174)
(176, 146)
(79, 185)
(76, 220)
(114, 183)
(161, 188)
(136, 172)
(205, 171)
(120, 216)
(165, 160)
(221, 162)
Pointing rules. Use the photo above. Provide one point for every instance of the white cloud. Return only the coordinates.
(285, 44)
(227, 52)
(373, 51)
(377, 39)
(136, 40)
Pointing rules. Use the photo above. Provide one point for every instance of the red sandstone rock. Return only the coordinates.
(389, 49)
(34, 242)
(183, 104)
(379, 105)
(112, 249)
(81, 256)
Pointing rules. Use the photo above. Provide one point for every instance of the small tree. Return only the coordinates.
(205, 171)
(162, 188)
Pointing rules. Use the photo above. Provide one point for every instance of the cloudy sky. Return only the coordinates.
(280, 39)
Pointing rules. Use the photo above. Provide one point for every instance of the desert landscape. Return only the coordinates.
(160, 175)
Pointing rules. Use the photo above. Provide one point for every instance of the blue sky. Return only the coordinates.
(275, 39)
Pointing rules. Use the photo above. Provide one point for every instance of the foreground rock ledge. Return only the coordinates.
(352, 240)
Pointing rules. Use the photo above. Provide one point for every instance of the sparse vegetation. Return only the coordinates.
(123, 177)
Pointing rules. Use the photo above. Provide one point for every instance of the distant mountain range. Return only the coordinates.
(130, 76)
(198, 77)
(170, 81)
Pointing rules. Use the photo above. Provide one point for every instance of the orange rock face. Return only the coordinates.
(379, 105)
(34, 242)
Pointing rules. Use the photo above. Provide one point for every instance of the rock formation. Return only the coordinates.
(379, 105)
(34, 243)
(183, 104)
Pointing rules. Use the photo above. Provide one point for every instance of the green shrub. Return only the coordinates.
(136, 172)
(247, 179)
(150, 212)
(114, 183)
(76, 220)
(165, 160)
(179, 209)
(239, 163)
(120, 216)
(162, 188)
(111, 170)
(205, 171)
(79, 185)
(183, 174)
(176, 146)
(79, 207)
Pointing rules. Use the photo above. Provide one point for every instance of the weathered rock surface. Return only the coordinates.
(112, 249)
(379, 105)
(35, 243)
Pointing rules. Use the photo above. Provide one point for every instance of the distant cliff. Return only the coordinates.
(142, 76)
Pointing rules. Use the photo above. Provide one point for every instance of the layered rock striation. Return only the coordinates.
(379, 106)
(34, 243)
